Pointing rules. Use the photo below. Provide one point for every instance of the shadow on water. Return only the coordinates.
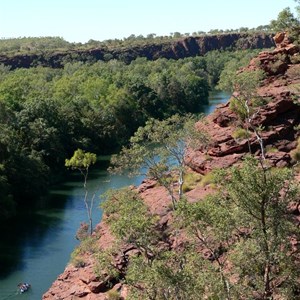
(215, 98)
(30, 226)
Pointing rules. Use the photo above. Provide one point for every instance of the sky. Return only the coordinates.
(82, 20)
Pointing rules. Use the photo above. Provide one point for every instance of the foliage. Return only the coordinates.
(229, 72)
(82, 161)
(160, 147)
(247, 223)
(82, 232)
(259, 198)
(207, 179)
(46, 114)
(191, 180)
(105, 266)
(242, 231)
(113, 295)
(286, 21)
(87, 246)
(170, 276)
(47, 45)
(130, 220)
(240, 133)
(246, 101)
(295, 154)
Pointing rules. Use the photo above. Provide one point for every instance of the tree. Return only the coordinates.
(259, 198)
(285, 21)
(159, 272)
(245, 101)
(130, 221)
(159, 149)
(82, 161)
(210, 225)
(246, 225)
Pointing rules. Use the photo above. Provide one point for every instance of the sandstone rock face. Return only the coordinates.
(185, 47)
(276, 62)
(280, 119)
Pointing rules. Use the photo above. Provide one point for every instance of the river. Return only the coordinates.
(36, 246)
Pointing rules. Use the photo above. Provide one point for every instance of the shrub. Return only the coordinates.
(77, 259)
(241, 133)
(207, 179)
(295, 154)
(113, 295)
(270, 149)
(190, 181)
(89, 246)
(82, 232)
(238, 108)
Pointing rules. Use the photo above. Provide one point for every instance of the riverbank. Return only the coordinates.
(280, 117)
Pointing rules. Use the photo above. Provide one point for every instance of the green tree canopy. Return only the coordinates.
(160, 147)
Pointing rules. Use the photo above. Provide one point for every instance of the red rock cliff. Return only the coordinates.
(175, 49)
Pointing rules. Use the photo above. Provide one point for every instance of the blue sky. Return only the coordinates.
(81, 20)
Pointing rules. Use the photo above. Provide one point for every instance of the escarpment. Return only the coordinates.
(174, 49)
(279, 119)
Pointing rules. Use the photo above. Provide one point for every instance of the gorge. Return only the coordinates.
(280, 117)
(38, 246)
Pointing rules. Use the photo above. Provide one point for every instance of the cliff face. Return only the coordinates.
(187, 47)
(280, 117)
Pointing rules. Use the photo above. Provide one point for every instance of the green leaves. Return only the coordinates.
(129, 219)
(81, 160)
(286, 21)
(160, 147)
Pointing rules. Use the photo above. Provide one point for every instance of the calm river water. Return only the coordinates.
(36, 246)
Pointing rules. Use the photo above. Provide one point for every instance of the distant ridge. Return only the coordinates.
(174, 49)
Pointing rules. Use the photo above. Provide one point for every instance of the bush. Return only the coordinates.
(270, 149)
(113, 295)
(238, 108)
(207, 179)
(191, 180)
(77, 259)
(241, 133)
(89, 246)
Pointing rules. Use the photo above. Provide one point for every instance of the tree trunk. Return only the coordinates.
(267, 287)
(180, 184)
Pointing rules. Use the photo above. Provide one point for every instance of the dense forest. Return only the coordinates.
(47, 113)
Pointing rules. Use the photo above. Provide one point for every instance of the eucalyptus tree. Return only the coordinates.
(159, 150)
(82, 161)
(246, 229)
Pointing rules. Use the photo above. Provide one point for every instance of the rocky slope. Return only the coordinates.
(175, 49)
(280, 117)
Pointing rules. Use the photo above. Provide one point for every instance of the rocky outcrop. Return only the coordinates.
(173, 49)
(280, 119)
